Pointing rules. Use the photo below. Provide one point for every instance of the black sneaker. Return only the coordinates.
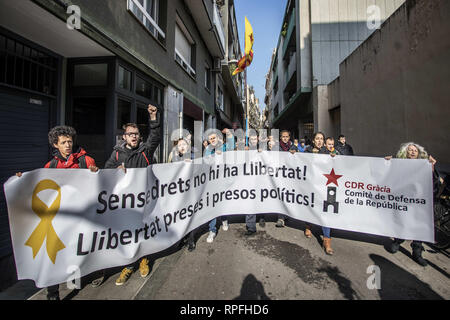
(53, 297)
(249, 233)
(417, 256)
(394, 247)
(420, 260)
(262, 223)
(191, 246)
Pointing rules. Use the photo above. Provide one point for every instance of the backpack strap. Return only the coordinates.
(82, 162)
(53, 164)
(148, 162)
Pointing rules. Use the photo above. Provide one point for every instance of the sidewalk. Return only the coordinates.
(26, 290)
(107, 291)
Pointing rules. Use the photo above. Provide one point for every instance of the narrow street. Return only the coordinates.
(279, 264)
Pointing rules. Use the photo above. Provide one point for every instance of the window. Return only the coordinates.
(158, 98)
(27, 68)
(142, 120)
(207, 77)
(220, 98)
(147, 12)
(124, 79)
(143, 88)
(308, 129)
(275, 111)
(123, 113)
(275, 65)
(184, 48)
(88, 75)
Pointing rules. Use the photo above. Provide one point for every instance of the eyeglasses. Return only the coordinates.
(132, 134)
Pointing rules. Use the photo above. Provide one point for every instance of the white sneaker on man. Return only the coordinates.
(225, 225)
(211, 237)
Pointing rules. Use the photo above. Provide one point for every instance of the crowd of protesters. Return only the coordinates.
(133, 152)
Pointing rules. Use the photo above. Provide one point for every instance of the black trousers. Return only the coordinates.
(414, 244)
(53, 291)
(191, 236)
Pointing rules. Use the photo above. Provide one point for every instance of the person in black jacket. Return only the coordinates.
(343, 147)
(133, 153)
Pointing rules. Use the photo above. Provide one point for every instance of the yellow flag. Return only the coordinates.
(249, 39)
(247, 59)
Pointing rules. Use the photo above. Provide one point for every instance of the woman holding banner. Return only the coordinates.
(412, 150)
(317, 146)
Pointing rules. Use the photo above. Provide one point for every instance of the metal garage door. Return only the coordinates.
(24, 124)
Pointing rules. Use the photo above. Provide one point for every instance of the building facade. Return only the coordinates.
(229, 104)
(254, 113)
(268, 113)
(316, 36)
(399, 80)
(96, 65)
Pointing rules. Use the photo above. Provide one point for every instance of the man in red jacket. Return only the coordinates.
(62, 139)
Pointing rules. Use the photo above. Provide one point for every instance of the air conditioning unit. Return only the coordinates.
(217, 65)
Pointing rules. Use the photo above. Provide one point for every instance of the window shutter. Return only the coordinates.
(182, 45)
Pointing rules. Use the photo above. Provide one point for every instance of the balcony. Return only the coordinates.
(207, 18)
(290, 30)
(219, 26)
(292, 67)
(233, 83)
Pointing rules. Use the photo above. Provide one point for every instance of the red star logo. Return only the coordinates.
(332, 178)
(251, 37)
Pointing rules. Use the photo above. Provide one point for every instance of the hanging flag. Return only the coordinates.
(249, 39)
(247, 59)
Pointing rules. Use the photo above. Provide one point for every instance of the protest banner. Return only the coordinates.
(65, 218)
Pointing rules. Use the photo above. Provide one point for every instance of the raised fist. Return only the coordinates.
(152, 110)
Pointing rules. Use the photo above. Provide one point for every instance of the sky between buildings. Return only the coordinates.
(266, 17)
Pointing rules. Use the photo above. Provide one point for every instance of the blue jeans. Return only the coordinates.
(250, 222)
(326, 232)
(213, 223)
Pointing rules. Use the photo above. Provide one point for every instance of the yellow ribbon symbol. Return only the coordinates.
(45, 228)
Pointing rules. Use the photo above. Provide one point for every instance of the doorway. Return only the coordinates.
(89, 122)
(88, 96)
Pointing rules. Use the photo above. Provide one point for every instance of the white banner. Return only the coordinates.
(66, 220)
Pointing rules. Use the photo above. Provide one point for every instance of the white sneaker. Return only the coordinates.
(225, 225)
(211, 237)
